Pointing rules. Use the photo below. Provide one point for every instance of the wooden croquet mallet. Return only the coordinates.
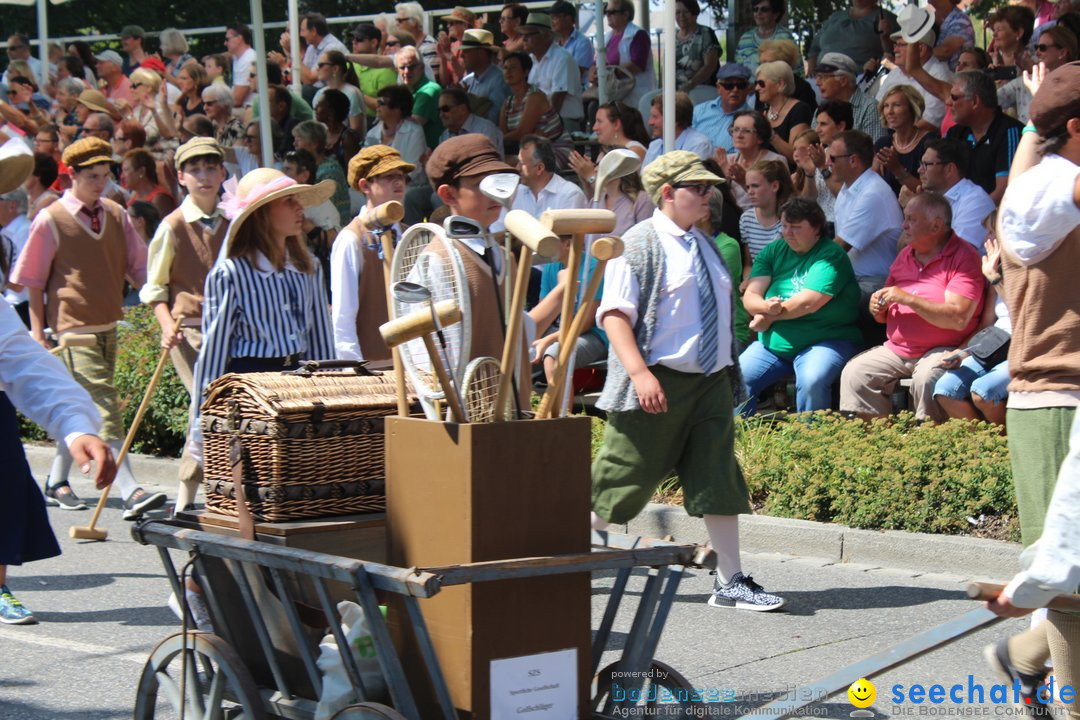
(534, 238)
(383, 216)
(91, 531)
(577, 224)
(603, 249)
(71, 340)
(419, 324)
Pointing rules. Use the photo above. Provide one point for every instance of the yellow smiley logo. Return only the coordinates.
(862, 693)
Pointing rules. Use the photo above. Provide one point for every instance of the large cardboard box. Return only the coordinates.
(479, 492)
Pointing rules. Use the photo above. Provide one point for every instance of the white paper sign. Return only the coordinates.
(535, 687)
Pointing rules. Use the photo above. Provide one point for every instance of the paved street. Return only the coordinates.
(102, 609)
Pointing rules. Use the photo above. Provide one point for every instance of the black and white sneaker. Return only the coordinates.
(742, 593)
(997, 657)
(63, 497)
(141, 502)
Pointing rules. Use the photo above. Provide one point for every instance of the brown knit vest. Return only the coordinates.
(372, 310)
(195, 249)
(1044, 305)
(86, 282)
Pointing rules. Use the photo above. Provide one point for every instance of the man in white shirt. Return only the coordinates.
(554, 70)
(238, 43)
(942, 170)
(458, 119)
(541, 189)
(917, 36)
(686, 137)
(357, 284)
(15, 230)
(868, 217)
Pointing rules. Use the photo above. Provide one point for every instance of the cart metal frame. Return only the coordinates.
(665, 561)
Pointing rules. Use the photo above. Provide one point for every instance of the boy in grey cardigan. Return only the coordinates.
(673, 374)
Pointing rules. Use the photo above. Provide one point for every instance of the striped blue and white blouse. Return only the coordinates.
(253, 310)
(754, 235)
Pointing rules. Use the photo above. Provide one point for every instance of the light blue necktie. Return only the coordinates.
(707, 343)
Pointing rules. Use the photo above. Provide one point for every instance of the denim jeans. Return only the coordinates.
(971, 377)
(816, 368)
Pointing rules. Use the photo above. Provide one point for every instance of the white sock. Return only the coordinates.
(597, 522)
(723, 533)
(61, 466)
(125, 479)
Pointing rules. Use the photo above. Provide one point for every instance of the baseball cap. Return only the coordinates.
(834, 63)
(109, 56)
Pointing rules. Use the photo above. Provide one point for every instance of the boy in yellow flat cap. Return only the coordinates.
(74, 264)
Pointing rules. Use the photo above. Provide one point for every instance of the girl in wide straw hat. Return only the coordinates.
(265, 306)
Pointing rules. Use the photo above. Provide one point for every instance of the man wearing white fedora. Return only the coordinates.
(916, 35)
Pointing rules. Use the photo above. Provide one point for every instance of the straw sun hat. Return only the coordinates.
(262, 186)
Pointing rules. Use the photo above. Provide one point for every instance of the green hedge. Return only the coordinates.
(892, 474)
(165, 424)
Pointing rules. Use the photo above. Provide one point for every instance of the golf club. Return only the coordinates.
(412, 293)
(500, 187)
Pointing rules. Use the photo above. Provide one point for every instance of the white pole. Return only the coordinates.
(294, 44)
(43, 40)
(267, 140)
(667, 80)
(601, 51)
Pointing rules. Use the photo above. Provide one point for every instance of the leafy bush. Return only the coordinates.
(892, 474)
(164, 426)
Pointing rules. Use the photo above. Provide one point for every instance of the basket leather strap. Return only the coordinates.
(243, 513)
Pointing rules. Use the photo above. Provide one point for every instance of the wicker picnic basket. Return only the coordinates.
(312, 441)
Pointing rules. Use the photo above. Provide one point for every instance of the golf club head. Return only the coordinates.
(500, 187)
(616, 164)
(410, 292)
(459, 226)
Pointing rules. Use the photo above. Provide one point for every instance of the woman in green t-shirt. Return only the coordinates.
(804, 301)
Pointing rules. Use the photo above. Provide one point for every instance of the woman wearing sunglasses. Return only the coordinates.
(767, 17)
(787, 115)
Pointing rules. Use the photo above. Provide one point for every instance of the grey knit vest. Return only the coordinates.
(645, 256)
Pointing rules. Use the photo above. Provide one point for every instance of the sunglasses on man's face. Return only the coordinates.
(735, 85)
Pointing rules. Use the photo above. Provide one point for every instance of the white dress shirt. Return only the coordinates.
(40, 386)
(1038, 210)
(558, 72)
(346, 264)
(558, 194)
(868, 218)
(689, 139)
(241, 70)
(970, 206)
(678, 313)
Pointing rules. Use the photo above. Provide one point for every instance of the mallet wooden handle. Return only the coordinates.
(603, 249)
(578, 221)
(513, 332)
(395, 352)
(989, 591)
(418, 323)
(456, 411)
(541, 240)
(70, 340)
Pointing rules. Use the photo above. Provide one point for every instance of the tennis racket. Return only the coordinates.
(480, 388)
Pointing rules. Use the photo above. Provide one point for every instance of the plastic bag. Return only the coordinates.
(337, 691)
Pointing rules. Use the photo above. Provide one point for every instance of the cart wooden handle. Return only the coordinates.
(90, 532)
(603, 249)
(989, 591)
(578, 221)
(532, 233)
(418, 323)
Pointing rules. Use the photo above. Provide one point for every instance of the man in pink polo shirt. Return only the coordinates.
(931, 304)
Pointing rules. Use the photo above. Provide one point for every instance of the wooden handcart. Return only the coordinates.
(251, 590)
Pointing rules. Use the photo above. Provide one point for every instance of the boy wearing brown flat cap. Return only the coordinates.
(455, 170)
(357, 283)
(180, 256)
(74, 264)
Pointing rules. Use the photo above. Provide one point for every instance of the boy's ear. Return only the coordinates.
(448, 194)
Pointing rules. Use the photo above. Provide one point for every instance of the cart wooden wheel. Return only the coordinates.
(665, 692)
(219, 686)
(368, 711)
